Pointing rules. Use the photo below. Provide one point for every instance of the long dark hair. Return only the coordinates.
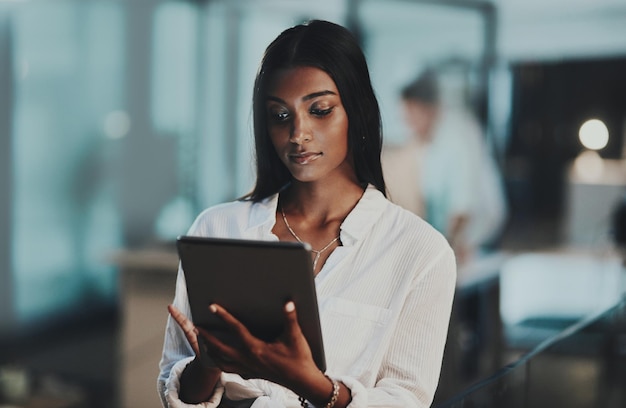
(333, 49)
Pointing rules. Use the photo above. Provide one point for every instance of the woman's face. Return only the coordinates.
(308, 124)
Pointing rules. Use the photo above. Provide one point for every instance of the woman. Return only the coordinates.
(385, 279)
(465, 202)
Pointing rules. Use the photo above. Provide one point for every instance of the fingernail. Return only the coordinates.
(212, 308)
(290, 307)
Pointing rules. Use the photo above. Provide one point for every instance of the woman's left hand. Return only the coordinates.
(287, 361)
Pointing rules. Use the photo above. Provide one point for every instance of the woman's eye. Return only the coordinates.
(279, 116)
(321, 112)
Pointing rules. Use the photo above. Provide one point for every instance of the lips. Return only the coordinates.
(305, 158)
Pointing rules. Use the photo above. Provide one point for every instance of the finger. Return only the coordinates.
(218, 351)
(221, 355)
(203, 353)
(181, 319)
(232, 322)
(291, 320)
(191, 333)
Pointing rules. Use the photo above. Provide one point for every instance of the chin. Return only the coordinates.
(304, 179)
(304, 174)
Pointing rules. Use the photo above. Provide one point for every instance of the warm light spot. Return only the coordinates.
(594, 134)
(116, 124)
(589, 166)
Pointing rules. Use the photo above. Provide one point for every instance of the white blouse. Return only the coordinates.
(384, 296)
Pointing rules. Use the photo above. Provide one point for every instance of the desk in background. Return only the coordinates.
(147, 285)
(593, 193)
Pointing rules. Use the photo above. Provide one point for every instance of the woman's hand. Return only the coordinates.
(287, 361)
(199, 378)
(191, 332)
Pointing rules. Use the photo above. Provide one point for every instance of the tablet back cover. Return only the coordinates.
(253, 280)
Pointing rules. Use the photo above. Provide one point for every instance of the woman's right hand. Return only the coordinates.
(200, 377)
(191, 333)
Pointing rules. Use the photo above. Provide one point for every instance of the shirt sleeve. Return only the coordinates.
(411, 367)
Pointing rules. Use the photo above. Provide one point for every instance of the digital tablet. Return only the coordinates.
(253, 280)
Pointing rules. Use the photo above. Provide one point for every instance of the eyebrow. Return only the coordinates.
(304, 98)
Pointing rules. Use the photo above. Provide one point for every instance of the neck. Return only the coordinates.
(323, 201)
(314, 212)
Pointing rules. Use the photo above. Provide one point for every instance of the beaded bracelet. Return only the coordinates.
(333, 397)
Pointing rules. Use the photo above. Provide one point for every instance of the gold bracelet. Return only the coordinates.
(333, 397)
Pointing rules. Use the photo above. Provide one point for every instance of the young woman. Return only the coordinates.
(385, 278)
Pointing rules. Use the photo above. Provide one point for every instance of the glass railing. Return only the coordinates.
(584, 365)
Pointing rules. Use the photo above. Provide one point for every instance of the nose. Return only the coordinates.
(300, 131)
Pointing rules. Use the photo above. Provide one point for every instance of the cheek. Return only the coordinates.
(344, 131)
(339, 132)
(275, 146)
(339, 129)
(275, 136)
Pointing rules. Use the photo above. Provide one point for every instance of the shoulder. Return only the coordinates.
(405, 226)
(223, 219)
(388, 220)
(409, 240)
(231, 208)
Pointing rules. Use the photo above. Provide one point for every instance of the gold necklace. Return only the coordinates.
(317, 253)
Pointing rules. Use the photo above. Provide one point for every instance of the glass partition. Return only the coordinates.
(128, 118)
(403, 38)
(68, 64)
(587, 360)
(122, 120)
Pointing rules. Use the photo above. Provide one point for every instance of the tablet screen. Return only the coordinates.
(253, 280)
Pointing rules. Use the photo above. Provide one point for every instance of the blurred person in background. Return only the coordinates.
(446, 173)
(385, 279)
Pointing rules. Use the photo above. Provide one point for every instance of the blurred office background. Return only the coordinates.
(122, 120)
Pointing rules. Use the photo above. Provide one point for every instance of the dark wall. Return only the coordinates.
(550, 102)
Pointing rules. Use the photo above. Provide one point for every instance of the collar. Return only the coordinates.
(366, 212)
(359, 221)
(263, 214)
